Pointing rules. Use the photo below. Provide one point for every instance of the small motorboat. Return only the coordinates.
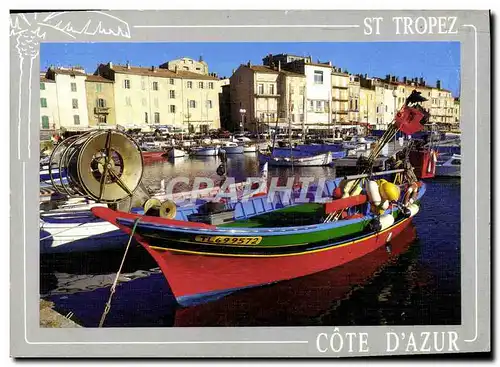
(301, 160)
(250, 148)
(209, 151)
(449, 165)
(173, 153)
(233, 148)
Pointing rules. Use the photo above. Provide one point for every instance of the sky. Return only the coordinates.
(430, 60)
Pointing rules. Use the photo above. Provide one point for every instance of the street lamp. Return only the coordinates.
(242, 112)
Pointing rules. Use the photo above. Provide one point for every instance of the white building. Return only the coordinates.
(318, 95)
(49, 107)
(71, 97)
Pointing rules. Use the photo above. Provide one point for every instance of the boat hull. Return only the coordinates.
(175, 153)
(324, 159)
(233, 150)
(198, 277)
(205, 152)
(447, 171)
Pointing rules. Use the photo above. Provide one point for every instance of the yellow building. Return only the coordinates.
(340, 96)
(354, 94)
(100, 101)
(367, 106)
(157, 96)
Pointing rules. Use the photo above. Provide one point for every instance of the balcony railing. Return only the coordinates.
(340, 100)
(101, 110)
(267, 95)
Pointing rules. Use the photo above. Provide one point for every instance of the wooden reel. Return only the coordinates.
(105, 166)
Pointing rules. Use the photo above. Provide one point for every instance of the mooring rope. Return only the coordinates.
(107, 308)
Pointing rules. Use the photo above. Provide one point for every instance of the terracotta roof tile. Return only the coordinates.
(97, 79)
(160, 73)
(69, 72)
(262, 69)
(45, 80)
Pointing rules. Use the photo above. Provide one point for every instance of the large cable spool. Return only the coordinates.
(106, 166)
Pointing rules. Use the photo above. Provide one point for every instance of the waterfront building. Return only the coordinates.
(159, 96)
(456, 113)
(340, 96)
(100, 101)
(354, 87)
(71, 98)
(254, 90)
(49, 107)
(367, 106)
(187, 64)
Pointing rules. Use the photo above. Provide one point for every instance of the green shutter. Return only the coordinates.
(43, 102)
(45, 122)
(42, 86)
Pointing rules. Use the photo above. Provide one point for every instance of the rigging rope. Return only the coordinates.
(107, 308)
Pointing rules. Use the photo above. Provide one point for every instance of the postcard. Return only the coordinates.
(250, 183)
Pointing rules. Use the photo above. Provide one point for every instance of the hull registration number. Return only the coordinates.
(227, 240)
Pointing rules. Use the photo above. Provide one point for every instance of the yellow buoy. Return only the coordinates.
(389, 191)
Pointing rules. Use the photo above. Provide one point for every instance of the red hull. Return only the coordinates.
(153, 155)
(193, 275)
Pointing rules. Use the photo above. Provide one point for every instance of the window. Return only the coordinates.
(155, 85)
(319, 106)
(318, 77)
(350, 104)
(356, 105)
(200, 85)
(185, 67)
(145, 117)
(45, 122)
(293, 118)
(209, 104)
(76, 119)
(262, 117)
(211, 85)
(301, 91)
(198, 69)
(43, 102)
(144, 102)
(311, 106)
(271, 89)
(156, 102)
(73, 87)
(172, 93)
(126, 84)
(74, 102)
(42, 86)
(385, 108)
(102, 119)
(190, 85)
(172, 81)
(101, 103)
(271, 116)
(143, 84)
(261, 88)
(192, 104)
(157, 117)
(301, 117)
(128, 102)
(98, 87)
(172, 108)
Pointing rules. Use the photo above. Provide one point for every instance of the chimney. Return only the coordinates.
(249, 64)
(176, 68)
(438, 84)
(110, 64)
(421, 81)
(128, 65)
(388, 77)
(405, 79)
(153, 69)
(233, 71)
(279, 65)
(201, 58)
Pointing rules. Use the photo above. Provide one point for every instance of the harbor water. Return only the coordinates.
(416, 280)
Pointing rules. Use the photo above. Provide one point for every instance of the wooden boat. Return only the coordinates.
(152, 154)
(324, 159)
(202, 262)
